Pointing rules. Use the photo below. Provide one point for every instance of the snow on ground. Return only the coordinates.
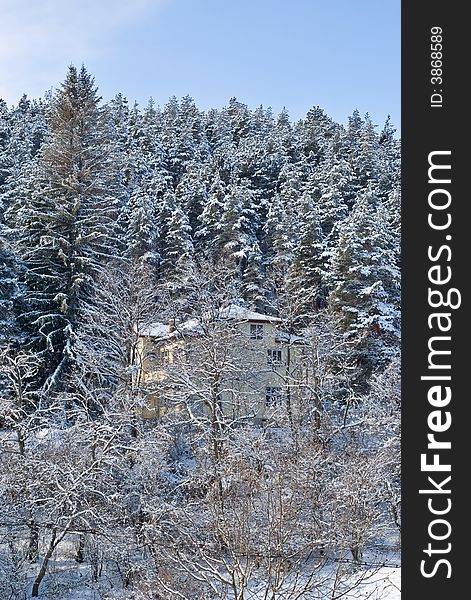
(378, 579)
(384, 584)
(377, 583)
(380, 582)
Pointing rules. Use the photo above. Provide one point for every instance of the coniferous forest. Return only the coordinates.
(115, 217)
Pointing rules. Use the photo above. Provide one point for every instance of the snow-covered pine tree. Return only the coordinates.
(333, 191)
(5, 135)
(360, 148)
(182, 135)
(218, 132)
(305, 278)
(192, 192)
(315, 131)
(281, 225)
(209, 221)
(145, 179)
(389, 161)
(22, 132)
(284, 140)
(367, 155)
(239, 223)
(64, 220)
(28, 130)
(142, 232)
(10, 295)
(240, 119)
(179, 248)
(365, 280)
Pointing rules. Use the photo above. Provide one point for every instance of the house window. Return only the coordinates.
(273, 396)
(274, 357)
(256, 331)
(165, 356)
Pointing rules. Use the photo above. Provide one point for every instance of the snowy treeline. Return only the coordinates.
(113, 217)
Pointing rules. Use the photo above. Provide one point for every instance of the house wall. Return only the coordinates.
(243, 384)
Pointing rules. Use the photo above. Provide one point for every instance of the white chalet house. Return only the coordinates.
(233, 361)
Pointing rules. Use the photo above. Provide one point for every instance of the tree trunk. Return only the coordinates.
(356, 553)
(79, 555)
(289, 408)
(33, 546)
(43, 569)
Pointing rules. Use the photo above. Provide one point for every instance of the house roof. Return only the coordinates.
(163, 331)
(193, 326)
(239, 313)
(157, 330)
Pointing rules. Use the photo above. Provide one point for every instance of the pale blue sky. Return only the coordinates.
(337, 54)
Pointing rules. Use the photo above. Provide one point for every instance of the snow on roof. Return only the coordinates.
(158, 330)
(193, 326)
(164, 331)
(239, 313)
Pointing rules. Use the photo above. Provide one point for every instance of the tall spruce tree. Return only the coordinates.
(178, 244)
(281, 224)
(192, 192)
(365, 282)
(305, 280)
(5, 136)
(64, 219)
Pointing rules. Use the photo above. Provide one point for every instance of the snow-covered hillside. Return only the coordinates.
(199, 350)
